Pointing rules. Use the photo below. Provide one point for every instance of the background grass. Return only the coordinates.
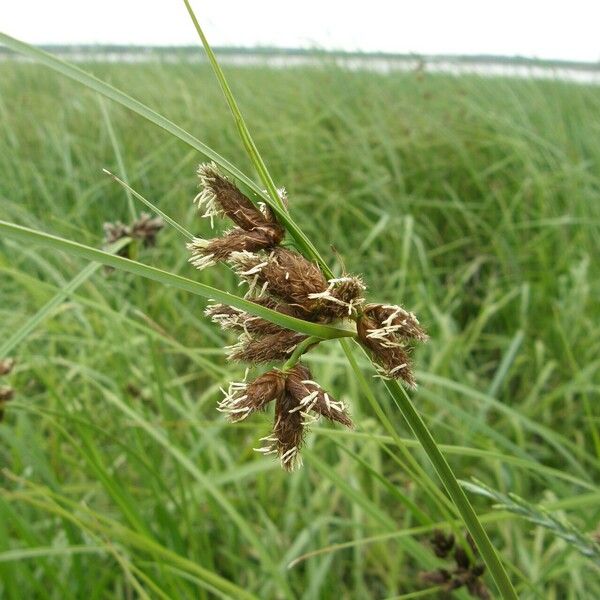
(475, 202)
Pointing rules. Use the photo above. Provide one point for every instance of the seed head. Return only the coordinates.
(207, 252)
(228, 317)
(113, 232)
(6, 393)
(221, 198)
(302, 404)
(265, 348)
(6, 366)
(341, 298)
(287, 436)
(436, 577)
(396, 321)
(299, 401)
(289, 276)
(442, 544)
(146, 229)
(201, 257)
(283, 273)
(243, 399)
(391, 355)
(311, 396)
(464, 573)
(385, 330)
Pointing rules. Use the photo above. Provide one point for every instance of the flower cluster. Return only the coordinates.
(463, 573)
(299, 401)
(385, 330)
(145, 229)
(6, 392)
(256, 229)
(283, 280)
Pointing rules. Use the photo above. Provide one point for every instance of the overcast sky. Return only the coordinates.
(535, 28)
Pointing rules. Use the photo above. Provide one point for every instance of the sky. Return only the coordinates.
(568, 30)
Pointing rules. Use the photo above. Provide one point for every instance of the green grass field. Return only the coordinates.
(474, 202)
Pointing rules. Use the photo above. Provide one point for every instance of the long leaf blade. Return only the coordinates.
(108, 91)
(31, 236)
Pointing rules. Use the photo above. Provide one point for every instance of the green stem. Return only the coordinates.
(275, 203)
(244, 132)
(300, 349)
(488, 552)
(182, 230)
(400, 397)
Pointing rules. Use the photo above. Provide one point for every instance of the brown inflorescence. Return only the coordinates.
(464, 573)
(228, 317)
(242, 399)
(299, 402)
(289, 276)
(257, 228)
(6, 365)
(283, 280)
(265, 348)
(6, 392)
(145, 229)
(386, 330)
(442, 544)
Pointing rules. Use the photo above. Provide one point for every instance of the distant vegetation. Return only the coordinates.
(474, 202)
(191, 52)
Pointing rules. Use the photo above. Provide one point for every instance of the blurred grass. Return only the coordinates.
(476, 202)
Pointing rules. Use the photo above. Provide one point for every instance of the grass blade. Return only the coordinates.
(400, 397)
(456, 493)
(93, 83)
(31, 236)
(151, 206)
(275, 201)
(118, 154)
(22, 332)
(249, 144)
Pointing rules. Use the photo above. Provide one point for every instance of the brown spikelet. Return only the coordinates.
(220, 197)
(286, 274)
(340, 299)
(289, 276)
(442, 544)
(6, 366)
(208, 252)
(146, 228)
(391, 355)
(478, 588)
(113, 232)
(228, 317)
(243, 399)
(265, 348)
(287, 437)
(311, 397)
(384, 330)
(299, 402)
(464, 573)
(439, 577)
(397, 321)
(6, 393)
(280, 306)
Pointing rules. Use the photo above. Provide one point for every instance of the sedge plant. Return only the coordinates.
(376, 325)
